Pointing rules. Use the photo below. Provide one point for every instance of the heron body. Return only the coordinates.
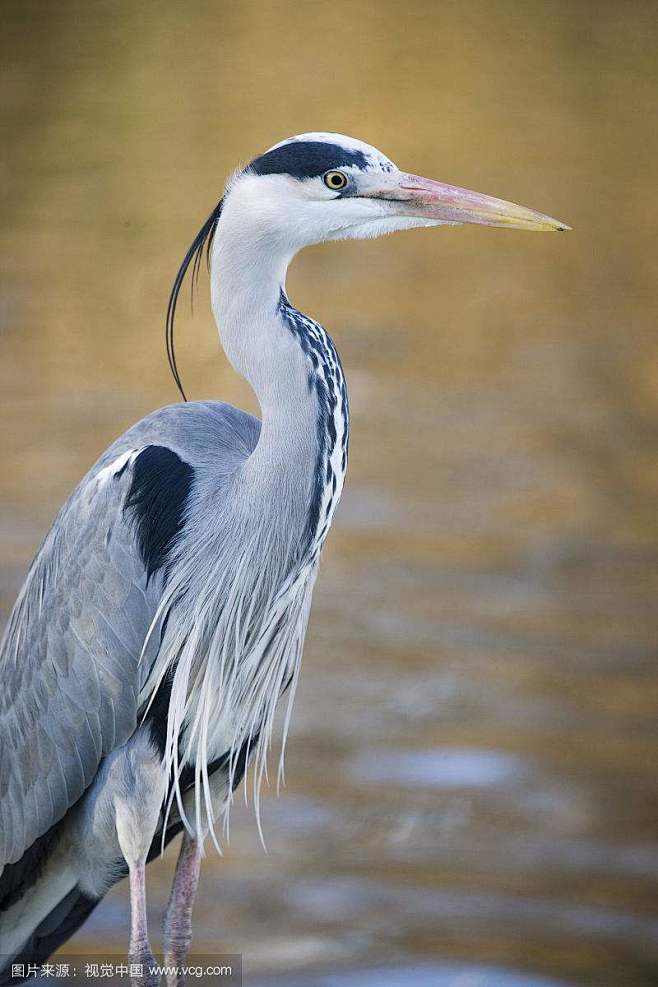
(164, 616)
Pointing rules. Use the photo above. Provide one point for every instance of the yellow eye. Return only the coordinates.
(335, 180)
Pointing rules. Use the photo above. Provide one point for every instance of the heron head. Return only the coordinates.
(323, 186)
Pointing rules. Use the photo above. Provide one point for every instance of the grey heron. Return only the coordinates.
(163, 618)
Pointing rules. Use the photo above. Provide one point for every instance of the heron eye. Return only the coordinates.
(335, 180)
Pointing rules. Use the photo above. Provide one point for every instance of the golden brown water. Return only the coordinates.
(472, 766)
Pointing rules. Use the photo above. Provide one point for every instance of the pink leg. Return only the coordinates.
(177, 929)
(139, 953)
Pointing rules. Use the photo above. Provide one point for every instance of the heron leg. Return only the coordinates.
(177, 926)
(140, 956)
(137, 806)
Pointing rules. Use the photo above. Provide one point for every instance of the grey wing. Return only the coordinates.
(70, 669)
(69, 661)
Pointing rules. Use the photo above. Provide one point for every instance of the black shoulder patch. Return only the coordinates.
(157, 497)
(306, 159)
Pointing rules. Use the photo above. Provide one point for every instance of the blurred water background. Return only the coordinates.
(471, 793)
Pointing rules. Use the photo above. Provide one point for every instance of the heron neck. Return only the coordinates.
(247, 277)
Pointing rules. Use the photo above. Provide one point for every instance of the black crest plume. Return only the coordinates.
(203, 239)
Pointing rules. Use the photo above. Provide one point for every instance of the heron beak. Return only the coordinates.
(423, 198)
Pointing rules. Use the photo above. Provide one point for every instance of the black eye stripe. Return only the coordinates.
(307, 159)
